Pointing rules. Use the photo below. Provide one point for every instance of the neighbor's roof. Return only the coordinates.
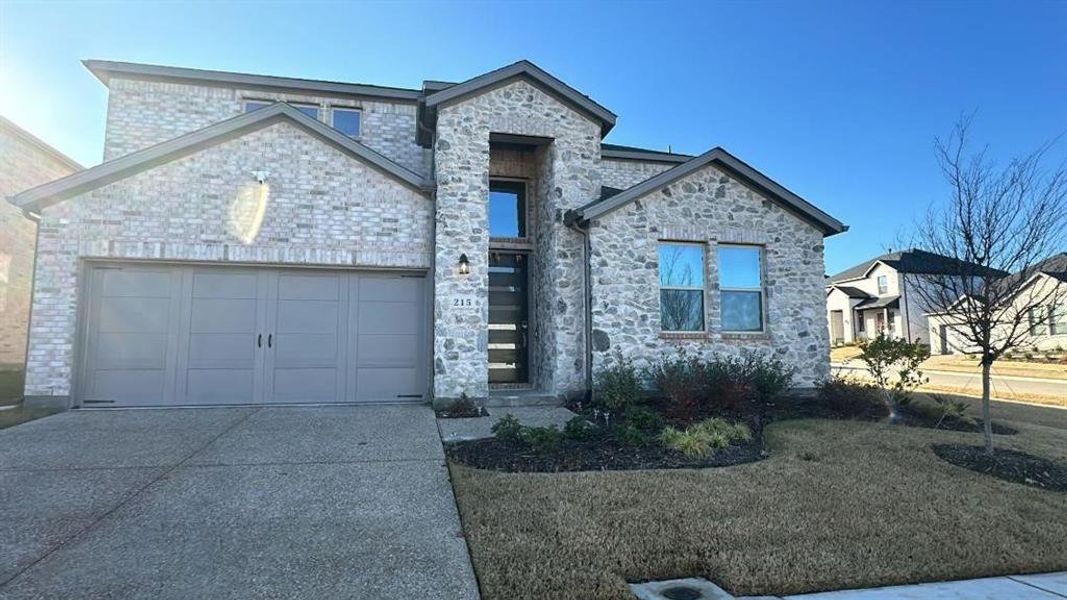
(153, 156)
(729, 163)
(104, 69)
(1055, 267)
(525, 69)
(635, 153)
(38, 143)
(852, 292)
(911, 261)
(883, 302)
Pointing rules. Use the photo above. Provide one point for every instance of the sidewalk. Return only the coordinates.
(1050, 586)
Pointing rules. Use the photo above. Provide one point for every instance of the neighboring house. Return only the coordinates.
(879, 296)
(265, 239)
(1047, 330)
(25, 161)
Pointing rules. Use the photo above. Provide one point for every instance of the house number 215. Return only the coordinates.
(463, 302)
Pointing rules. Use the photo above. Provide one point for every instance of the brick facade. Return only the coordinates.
(320, 207)
(23, 164)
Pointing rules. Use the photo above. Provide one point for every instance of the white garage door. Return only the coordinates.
(195, 335)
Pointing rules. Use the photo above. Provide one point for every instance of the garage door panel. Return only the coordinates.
(131, 351)
(225, 283)
(135, 282)
(134, 387)
(387, 384)
(373, 288)
(309, 286)
(223, 315)
(301, 350)
(229, 350)
(388, 350)
(388, 317)
(305, 385)
(220, 386)
(311, 316)
(131, 314)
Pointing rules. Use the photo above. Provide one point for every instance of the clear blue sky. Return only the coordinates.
(839, 101)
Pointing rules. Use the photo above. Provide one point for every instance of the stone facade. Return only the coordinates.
(568, 178)
(319, 206)
(142, 113)
(708, 207)
(621, 174)
(23, 164)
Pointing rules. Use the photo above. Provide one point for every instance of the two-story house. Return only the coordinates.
(25, 161)
(260, 239)
(879, 296)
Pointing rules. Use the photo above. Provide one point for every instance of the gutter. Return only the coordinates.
(574, 221)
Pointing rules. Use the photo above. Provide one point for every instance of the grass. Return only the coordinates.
(842, 354)
(1014, 368)
(837, 505)
(9, 417)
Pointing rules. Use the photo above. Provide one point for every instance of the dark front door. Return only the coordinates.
(508, 318)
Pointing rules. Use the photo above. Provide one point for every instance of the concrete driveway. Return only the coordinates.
(316, 502)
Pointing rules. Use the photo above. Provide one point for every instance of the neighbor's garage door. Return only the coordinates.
(194, 335)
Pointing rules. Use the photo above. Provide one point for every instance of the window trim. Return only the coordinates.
(356, 109)
(703, 289)
(1057, 317)
(1033, 318)
(762, 252)
(882, 289)
(522, 210)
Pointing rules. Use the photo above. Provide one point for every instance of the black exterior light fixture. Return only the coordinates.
(464, 265)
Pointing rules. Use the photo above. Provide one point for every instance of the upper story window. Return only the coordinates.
(681, 286)
(1036, 320)
(507, 209)
(310, 110)
(1058, 319)
(883, 284)
(346, 120)
(741, 288)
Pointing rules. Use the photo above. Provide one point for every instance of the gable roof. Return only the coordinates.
(104, 69)
(527, 70)
(852, 292)
(136, 162)
(1055, 267)
(731, 164)
(40, 144)
(911, 261)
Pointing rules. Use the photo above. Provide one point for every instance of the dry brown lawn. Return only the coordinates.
(1015, 368)
(837, 505)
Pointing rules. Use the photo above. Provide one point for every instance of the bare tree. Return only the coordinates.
(998, 225)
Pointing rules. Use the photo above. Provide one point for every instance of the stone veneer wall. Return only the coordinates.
(622, 174)
(321, 207)
(142, 113)
(710, 207)
(569, 178)
(23, 165)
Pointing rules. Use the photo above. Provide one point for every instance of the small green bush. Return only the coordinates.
(579, 429)
(618, 387)
(542, 439)
(705, 437)
(732, 432)
(629, 435)
(643, 418)
(508, 429)
(945, 407)
(850, 397)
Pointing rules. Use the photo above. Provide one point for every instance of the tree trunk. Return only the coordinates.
(987, 423)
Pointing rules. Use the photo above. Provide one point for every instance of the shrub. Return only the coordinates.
(508, 429)
(705, 437)
(617, 387)
(850, 397)
(463, 407)
(579, 429)
(732, 432)
(886, 356)
(681, 381)
(630, 435)
(952, 408)
(542, 439)
(643, 418)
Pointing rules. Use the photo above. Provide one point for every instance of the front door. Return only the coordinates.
(508, 318)
(837, 326)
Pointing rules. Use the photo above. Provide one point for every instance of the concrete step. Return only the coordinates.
(519, 398)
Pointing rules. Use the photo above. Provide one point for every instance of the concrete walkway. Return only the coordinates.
(316, 502)
(1050, 586)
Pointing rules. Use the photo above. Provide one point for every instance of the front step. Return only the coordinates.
(518, 398)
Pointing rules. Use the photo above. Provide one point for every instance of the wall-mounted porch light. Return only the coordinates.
(464, 265)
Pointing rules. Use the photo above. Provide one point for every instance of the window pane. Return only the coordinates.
(739, 267)
(742, 311)
(681, 310)
(681, 266)
(311, 111)
(346, 121)
(251, 106)
(506, 206)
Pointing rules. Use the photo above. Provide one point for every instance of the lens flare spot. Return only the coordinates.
(247, 210)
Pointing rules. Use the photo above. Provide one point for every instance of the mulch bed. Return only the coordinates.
(810, 408)
(594, 455)
(1009, 465)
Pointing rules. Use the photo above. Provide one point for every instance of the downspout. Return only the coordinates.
(573, 220)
